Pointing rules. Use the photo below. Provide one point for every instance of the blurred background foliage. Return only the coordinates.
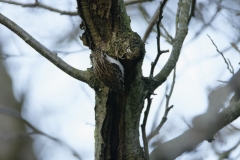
(14, 144)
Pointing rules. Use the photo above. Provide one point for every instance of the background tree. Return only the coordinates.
(117, 115)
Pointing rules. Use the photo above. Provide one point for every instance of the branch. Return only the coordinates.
(135, 1)
(16, 114)
(168, 37)
(167, 109)
(153, 64)
(231, 70)
(194, 136)
(177, 44)
(69, 13)
(78, 74)
(143, 126)
(151, 24)
(206, 24)
(41, 5)
(205, 126)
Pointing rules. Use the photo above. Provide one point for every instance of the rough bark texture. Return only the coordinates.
(106, 25)
(117, 115)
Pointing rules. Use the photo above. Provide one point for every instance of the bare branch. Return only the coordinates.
(206, 24)
(41, 5)
(206, 125)
(78, 74)
(168, 37)
(151, 24)
(177, 45)
(192, 137)
(143, 126)
(162, 4)
(167, 109)
(229, 62)
(172, 87)
(230, 70)
(16, 114)
(135, 1)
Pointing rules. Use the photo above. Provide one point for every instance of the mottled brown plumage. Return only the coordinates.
(108, 70)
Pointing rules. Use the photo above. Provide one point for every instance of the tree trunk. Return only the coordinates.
(117, 115)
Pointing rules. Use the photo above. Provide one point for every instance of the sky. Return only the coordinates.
(63, 107)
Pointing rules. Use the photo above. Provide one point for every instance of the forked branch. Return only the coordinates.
(162, 4)
(181, 33)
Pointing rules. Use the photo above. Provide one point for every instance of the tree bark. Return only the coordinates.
(117, 115)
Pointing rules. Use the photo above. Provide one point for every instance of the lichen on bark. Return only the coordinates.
(117, 115)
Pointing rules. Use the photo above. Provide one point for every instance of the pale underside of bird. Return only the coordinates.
(108, 70)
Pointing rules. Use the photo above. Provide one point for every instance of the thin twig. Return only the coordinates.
(16, 114)
(161, 76)
(143, 127)
(172, 87)
(167, 109)
(156, 114)
(193, 137)
(151, 24)
(206, 24)
(231, 65)
(153, 20)
(231, 71)
(153, 64)
(168, 37)
(135, 1)
(41, 5)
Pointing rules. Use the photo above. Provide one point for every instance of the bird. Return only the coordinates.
(108, 70)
